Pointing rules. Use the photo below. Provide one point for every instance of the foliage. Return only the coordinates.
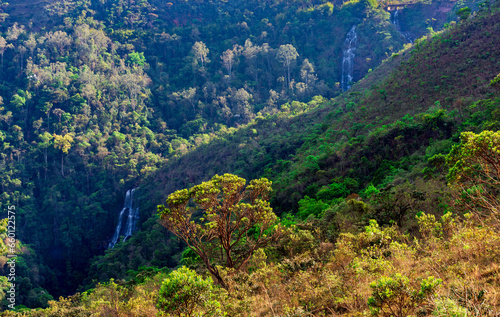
(394, 295)
(495, 82)
(474, 171)
(448, 307)
(378, 271)
(235, 220)
(309, 206)
(183, 291)
(121, 79)
(464, 13)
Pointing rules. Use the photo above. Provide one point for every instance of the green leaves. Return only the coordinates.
(475, 172)
(476, 157)
(229, 212)
(495, 82)
(18, 101)
(395, 295)
(464, 13)
(135, 58)
(183, 291)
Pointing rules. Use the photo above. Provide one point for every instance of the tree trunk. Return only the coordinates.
(62, 164)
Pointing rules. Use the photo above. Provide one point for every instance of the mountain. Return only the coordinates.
(360, 182)
(377, 138)
(99, 97)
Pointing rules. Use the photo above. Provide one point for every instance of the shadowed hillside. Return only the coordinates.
(374, 139)
(449, 70)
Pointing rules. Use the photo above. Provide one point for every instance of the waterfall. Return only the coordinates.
(348, 58)
(395, 21)
(132, 214)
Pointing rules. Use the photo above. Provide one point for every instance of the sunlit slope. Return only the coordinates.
(450, 70)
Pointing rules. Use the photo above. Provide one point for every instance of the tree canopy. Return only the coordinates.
(475, 171)
(234, 222)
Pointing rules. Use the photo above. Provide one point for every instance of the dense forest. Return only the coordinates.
(361, 114)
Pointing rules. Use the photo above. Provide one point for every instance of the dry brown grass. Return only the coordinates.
(335, 280)
(460, 253)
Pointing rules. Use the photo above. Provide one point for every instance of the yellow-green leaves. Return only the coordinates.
(228, 212)
(185, 293)
(396, 295)
(63, 142)
(475, 171)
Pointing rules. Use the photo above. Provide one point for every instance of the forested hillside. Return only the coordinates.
(378, 141)
(99, 97)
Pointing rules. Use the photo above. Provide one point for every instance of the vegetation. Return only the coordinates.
(475, 171)
(97, 97)
(229, 212)
(183, 290)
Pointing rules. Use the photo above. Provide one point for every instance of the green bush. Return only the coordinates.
(185, 293)
(396, 296)
(310, 206)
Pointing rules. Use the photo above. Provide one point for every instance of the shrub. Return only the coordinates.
(310, 206)
(184, 293)
(448, 308)
(475, 172)
(395, 296)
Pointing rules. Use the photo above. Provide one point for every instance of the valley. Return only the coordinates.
(349, 109)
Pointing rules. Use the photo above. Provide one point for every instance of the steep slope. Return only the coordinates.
(449, 70)
(450, 267)
(377, 134)
(96, 94)
(431, 93)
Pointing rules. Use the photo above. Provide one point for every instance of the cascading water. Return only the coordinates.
(132, 214)
(395, 21)
(348, 58)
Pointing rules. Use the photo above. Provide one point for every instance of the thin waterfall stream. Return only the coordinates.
(395, 21)
(348, 58)
(127, 219)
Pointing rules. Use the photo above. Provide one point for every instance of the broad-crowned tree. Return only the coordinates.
(234, 221)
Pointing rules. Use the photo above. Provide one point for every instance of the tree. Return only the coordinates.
(241, 105)
(31, 44)
(251, 53)
(189, 94)
(135, 58)
(475, 172)
(229, 58)
(15, 31)
(235, 221)
(63, 142)
(22, 50)
(464, 13)
(59, 40)
(286, 55)
(45, 142)
(200, 52)
(3, 47)
(307, 73)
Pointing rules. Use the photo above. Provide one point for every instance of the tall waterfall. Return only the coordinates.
(395, 21)
(126, 226)
(348, 58)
